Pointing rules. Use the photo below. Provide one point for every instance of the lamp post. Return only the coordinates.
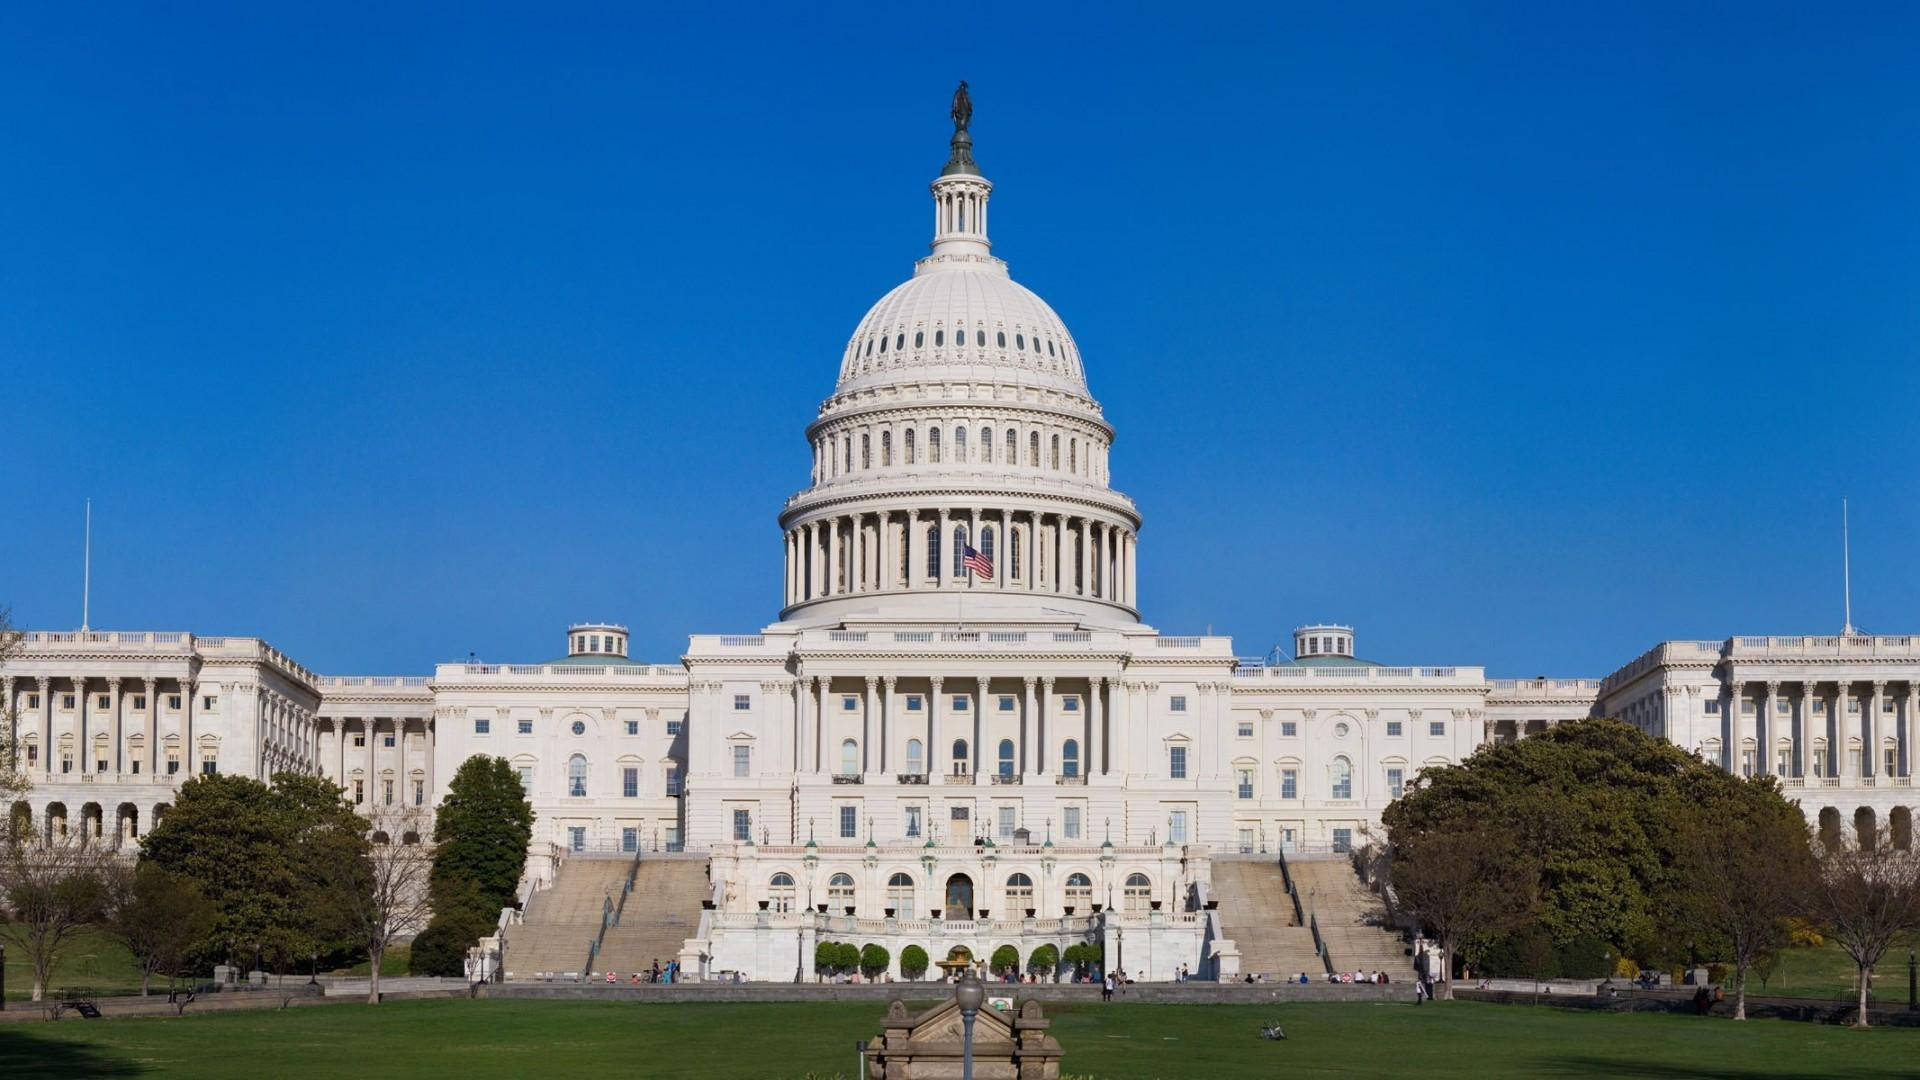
(1913, 982)
(970, 995)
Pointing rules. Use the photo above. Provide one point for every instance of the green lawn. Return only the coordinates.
(1827, 972)
(89, 959)
(504, 1038)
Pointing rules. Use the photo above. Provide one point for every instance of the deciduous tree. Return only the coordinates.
(161, 918)
(380, 893)
(1866, 897)
(48, 892)
(1463, 884)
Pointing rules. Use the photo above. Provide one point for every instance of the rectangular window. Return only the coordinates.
(209, 767)
(743, 761)
(1853, 706)
(849, 822)
(66, 701)
(209, 702)
(33, 701)
(1396, 782)
(1244, 729)
(742, 702)
(1783, 707)
(1342, 840)
(1746, 763)
(100, 765)
(1070, 822)
(1746, 706)
(1713, 707)
(959, 703)
(913, 822)
(139, 702)
(1819, 706)
(387, 740)
(633, 727)
(103, 702)
(742, 826)
(629, 838)
(1243, 783)
(630, 782)
(1006, 703)
(1070, 703)
(481, 726)
(135, 763)
(386, 792)
(525, 725)
(849, 703)
(1177, 703)
(1393, 729)
(673, 780)
(1288, 729)
(526, 777)
(1246, 841)
(1177, 762)
(1783, 765)
(359, 789)
(173, 765)
(1437, 728)
(1289, 783)
(913, 702)
(173, 702)
(1886, 706)
(577, 837)
(1006, 822)
(1889, 767)
(1177, 827)
(1819, 761)
(958, 813)
(419, 793)
(359, 739)
(673, 727)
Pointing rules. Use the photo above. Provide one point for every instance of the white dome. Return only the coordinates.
(962, 320)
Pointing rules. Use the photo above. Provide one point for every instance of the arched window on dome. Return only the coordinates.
(1073, 455)
(933, 446)
(1033, 449)
(959, 551)
(1020, 342)
(1056, 452)
(847, 444)
(883, 344)
(1013, 555)
(1013, 448)
(986, 445)
(919, 338)
(939, 338)
(960, 445)
(1000, 339)
(1006, 757)
(933, 551)
(886, 449)
(907, 449)
(869, 347)
(1050, 347)
(866, 451)
(980, 338)
(900, 342)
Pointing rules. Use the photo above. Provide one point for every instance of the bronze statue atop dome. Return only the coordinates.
(962, 111)
(961, 160)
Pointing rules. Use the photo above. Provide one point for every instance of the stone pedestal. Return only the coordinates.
(1006, 1046)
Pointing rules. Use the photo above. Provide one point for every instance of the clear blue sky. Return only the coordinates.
(1513, 337)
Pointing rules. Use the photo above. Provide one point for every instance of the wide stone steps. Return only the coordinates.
(562, 920)
(1352, 919)
(1257, 916)
(662, 912)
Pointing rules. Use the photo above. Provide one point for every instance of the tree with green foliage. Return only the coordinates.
(1745, 867)
(1596, 805)
(1005, 960)
(254, 852)
(913, 962)
(1462, 884)
(874, 959)
(480, 835)
(1044, 961)
(162, 919)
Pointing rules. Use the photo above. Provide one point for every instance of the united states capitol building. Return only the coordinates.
(959, 729)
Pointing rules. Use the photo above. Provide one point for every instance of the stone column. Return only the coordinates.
(1043, 734)
(937, 755)
(82, 749)
(1906, 729)
(787, 540)
(340, 750)
(1092, 760)
(979, 722)
(887, 714)
(856, 580)
(116, 724)
(1003, 551)
(46, 725)
(973, 537)
(868, 724)
(946, 553)
(797, 725)
(1763, 733)
(1837, 712)
(834, 586)
(916, 553)
(400, 762)
(152, 687)
(12, 716)
(187, 751)
(1086, 557)
(1803, 746)
(1870, 758)
(822, 686)
(1029, 759)
(373, 761)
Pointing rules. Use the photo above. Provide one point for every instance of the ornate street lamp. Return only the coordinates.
(971, 995)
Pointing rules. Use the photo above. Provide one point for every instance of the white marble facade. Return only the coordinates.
(909, 714)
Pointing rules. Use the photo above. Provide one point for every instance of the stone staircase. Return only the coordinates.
(662, 912)
(1256, 914)
(1352, 919)
(562, 920)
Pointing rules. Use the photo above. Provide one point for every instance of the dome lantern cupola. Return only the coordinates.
(960, 194)
(597, 640)
(1323, 639)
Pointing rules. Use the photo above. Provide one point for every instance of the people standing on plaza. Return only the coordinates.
(1106, 987)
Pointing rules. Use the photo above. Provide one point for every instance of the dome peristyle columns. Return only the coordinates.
(1065, 553)
(960, 215)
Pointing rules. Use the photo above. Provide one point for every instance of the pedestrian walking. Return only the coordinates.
(1106, 987)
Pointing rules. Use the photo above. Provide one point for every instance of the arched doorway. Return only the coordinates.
(959, 903)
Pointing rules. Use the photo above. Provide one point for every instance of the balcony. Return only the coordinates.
(1065, 779)
(956, 778)
(910, 778)
(848, 778)
(1006, 778)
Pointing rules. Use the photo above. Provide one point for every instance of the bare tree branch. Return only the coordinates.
(1866, 896)
(48, 891)
(381, 895)
(1463, 884)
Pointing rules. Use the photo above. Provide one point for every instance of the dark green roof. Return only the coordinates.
(1335, 661)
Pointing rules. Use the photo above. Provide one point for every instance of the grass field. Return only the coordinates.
(501, 1038)
(96, 962)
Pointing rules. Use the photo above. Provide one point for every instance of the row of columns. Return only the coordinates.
(863, 552)
(1839, 763)
(115, 721)
(370, 726)
(1046, 449)
(882, 715)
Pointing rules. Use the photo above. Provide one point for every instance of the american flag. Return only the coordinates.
(978, 563)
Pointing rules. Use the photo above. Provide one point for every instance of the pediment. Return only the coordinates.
(944, 1024)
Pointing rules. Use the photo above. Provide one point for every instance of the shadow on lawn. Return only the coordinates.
(25, 1054)
(1591, 1066)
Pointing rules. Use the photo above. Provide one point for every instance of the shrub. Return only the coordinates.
(847, 956)
(1718, 973)
(1626, 968)
(913, 961)
(874, 960)
(1044, 961)
(826, 956)
(1005, 958)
